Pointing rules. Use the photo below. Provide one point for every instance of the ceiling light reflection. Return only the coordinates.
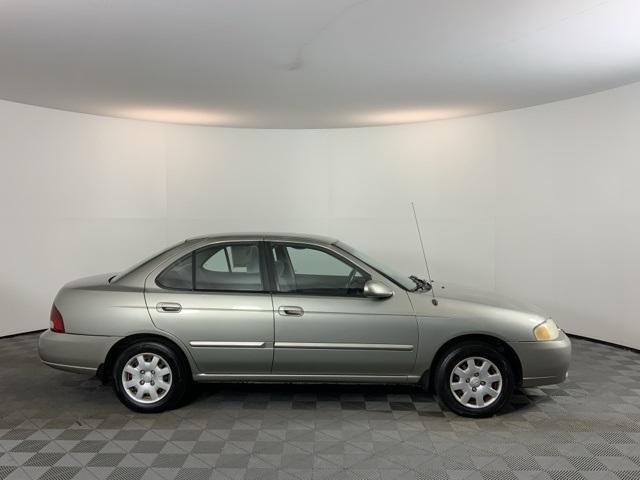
(174, 115)
(390, 117)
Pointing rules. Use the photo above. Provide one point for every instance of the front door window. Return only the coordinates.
(309, 270)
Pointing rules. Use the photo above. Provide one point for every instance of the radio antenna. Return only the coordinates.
(434, 300)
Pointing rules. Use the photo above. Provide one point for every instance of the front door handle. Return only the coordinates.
(291, 311)
(169, 307)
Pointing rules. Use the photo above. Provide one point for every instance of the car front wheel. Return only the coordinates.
(149, 377)
(474, 379)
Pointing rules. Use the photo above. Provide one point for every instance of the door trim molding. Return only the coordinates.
(228, 344)
(345, 346)
(317, 378)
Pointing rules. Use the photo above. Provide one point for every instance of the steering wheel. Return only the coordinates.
(352, 276)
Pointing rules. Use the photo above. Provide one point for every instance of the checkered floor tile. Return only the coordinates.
(56, 425)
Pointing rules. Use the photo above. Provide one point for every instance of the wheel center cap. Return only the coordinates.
(475, 382)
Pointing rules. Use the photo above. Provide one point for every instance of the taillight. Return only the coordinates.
(56, 324)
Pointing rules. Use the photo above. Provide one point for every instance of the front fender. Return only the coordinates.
(452, 319)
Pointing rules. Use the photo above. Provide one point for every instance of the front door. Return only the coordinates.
(325, 326)
(215, 300)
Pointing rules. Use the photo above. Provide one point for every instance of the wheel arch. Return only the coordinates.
(105, 368)
(499, 344)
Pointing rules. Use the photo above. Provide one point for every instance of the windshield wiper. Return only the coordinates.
(420, 284)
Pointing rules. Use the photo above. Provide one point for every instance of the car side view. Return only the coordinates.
(293, 308)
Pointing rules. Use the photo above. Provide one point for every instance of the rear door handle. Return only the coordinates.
(291, 311)
(169, 307)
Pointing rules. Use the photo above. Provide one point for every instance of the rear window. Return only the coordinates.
(143, 262)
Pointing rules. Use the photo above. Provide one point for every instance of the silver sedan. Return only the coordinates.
(283, 308)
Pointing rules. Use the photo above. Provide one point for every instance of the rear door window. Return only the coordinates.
(235, 267)
(231, 267)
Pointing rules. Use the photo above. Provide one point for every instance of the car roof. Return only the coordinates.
(287, 237)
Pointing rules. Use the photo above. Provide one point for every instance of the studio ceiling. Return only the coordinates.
(312, 63)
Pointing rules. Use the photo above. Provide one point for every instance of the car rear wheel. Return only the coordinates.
(474, 379)
(149, 377)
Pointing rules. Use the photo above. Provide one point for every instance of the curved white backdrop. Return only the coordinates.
(541, 203)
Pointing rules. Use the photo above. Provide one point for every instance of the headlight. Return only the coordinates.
(547, 330)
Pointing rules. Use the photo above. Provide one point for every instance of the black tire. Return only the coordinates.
(179, 377)
(454, 401)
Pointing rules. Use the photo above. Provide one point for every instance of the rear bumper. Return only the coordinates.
(74, 353)
(544, 363)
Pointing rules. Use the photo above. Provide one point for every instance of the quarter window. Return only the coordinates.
(314, 271)
(178, 276)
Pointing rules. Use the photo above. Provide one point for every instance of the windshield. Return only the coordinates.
(402, 280)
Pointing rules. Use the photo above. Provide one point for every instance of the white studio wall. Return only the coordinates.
(541, 204)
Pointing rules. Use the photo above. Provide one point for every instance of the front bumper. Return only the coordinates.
(544, 363)
(74, 353)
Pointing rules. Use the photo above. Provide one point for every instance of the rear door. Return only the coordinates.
(325, 326)
(216, 300)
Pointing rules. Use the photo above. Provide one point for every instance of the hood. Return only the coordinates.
(453, 291)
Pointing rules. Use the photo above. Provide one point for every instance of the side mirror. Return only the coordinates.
(373, 289)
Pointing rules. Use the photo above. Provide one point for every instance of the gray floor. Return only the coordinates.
(59, 425)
